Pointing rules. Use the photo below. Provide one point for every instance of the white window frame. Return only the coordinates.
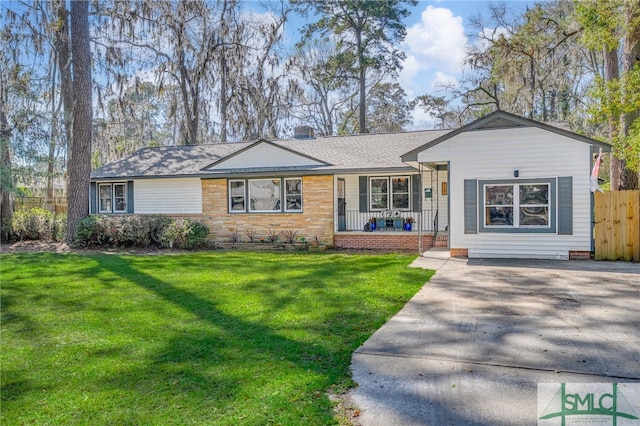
(392, 193)
(286, 195)
(250, 210)
(124, 197)
(283, 195)
(389, 193)
(100, 209)
(516, 206)
(112, 197)
(244, 195)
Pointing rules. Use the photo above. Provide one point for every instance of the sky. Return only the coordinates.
(437, 34)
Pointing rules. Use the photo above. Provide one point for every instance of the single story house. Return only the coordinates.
(501, 186)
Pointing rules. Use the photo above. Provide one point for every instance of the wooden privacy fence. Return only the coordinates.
(617, 225)
(55, 204)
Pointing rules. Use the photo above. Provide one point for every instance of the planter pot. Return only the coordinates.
(408, 226)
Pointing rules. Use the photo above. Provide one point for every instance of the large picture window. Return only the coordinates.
(518, 205)
(265, 195)
(112, 198)
(389, 193)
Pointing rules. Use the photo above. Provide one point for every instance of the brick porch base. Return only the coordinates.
(404, 241)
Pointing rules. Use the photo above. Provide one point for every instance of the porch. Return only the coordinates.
(421, 237)
(354, 220)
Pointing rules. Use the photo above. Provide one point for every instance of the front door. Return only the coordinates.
(342, 206)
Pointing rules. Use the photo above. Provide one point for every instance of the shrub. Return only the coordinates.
(272, 235)
(121, 230)
(59, 227)
(252, 235)
(33, 224)
(184, 234)
(289, 235)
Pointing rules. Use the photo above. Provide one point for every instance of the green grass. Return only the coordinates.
(204, 338)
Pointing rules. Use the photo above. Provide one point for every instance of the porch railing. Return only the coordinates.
(355, 220)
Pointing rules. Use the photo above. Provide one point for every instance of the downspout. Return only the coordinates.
(449, 205)
(592, 203)
(420, 208)
(437, 195)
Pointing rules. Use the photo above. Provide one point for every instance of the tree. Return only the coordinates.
(439, 108)
(140, 117)
(261, 90)
(31, 62)
(322, 97)
(79, 165)
(173, 41)
(368, 32)
(532, 65)
(388, 109)
(614, 28)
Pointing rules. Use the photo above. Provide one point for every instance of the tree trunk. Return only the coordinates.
(79, 166)
(362, 81)
(611, 73)
(630, 55)
(55, 131)
(6, 177)
(223, 97)
(64, 67)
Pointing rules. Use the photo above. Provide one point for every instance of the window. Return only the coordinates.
(519, 205)
(105, 198)
(379, 193)
(265, 195)
(390, 193)
(534, 205)
(498, 205)
(119, 198)
(112, 198)
(237, 196)
(293, 194)
(400, 193)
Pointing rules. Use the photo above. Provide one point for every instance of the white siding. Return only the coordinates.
(352, 191)
(535, 153)
(168, 196)
(265, 155)
(438, 202)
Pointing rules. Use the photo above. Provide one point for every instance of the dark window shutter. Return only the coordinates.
(415, 193)
(93, 198)
(470, 206)
(565, 205)
(364, 194)
(130, 208)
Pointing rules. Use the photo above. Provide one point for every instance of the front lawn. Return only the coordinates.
(206, 338)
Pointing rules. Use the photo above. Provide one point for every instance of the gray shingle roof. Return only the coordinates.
(167, 161)
(357, 152)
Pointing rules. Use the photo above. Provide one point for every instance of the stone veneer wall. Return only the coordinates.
(316, 220)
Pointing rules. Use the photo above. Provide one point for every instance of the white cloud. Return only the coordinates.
(435, 51)
(438, 40)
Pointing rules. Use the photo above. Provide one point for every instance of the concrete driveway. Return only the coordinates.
(472, 345)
